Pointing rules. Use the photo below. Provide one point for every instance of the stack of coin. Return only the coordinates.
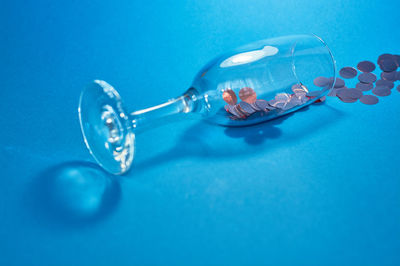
(250, 104)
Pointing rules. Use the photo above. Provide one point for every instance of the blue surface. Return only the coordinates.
(320, 187)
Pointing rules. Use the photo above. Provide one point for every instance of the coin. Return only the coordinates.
(391, 76)
(381, 91)
(240, 111)
(247, 95)
(339, 83)
(231, 109)
(229, 96)
(369, 99)
(367, 77)
(314, 93)
(246, 107)
(321, 81)
(385, 83)
(348, 100)
(299, 89)
(332, 92)
(397, 60)
(348, 72)
(282, 97)
(383, 57)
(366, 66)
(259, 105)
(350, 93)
(364, 86)
(388, 64)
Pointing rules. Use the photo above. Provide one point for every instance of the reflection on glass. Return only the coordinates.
(271, 78)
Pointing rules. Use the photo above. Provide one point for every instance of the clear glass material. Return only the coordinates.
(251, 84)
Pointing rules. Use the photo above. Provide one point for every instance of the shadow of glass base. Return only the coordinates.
(74, 194)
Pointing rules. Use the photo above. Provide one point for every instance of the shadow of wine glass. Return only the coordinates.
(207, 140)
(73, 194)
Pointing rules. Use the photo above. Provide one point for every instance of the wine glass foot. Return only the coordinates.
(106, 127)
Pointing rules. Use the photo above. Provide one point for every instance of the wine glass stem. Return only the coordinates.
(162, 113)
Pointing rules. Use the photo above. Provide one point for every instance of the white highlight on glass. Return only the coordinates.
(248, 57)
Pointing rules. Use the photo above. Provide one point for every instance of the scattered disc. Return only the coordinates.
(397, 60)
(384, 57)
(385, 83)
(314, 93)
(391, 76)
(388, 65)
(348, 100)
(366, 66)
(349, 94)
(381, 91)
(348, 72)
(339, 83)
(332, 92)
(354, 93)
(320, 82)
(369, 99)
(364, 86)
(387, 62)
(367, 77)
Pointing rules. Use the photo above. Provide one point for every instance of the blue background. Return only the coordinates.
(320, 187)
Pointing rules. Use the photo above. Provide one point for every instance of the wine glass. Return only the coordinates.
(251, 84)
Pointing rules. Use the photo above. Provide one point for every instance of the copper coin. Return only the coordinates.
(366, 66)
(229, 97)
(369, 99)
(348, 72)
(247, 95)
(367, 77)
(364, 86)
(385, 83)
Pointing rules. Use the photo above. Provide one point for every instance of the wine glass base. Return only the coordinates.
(106, 127)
